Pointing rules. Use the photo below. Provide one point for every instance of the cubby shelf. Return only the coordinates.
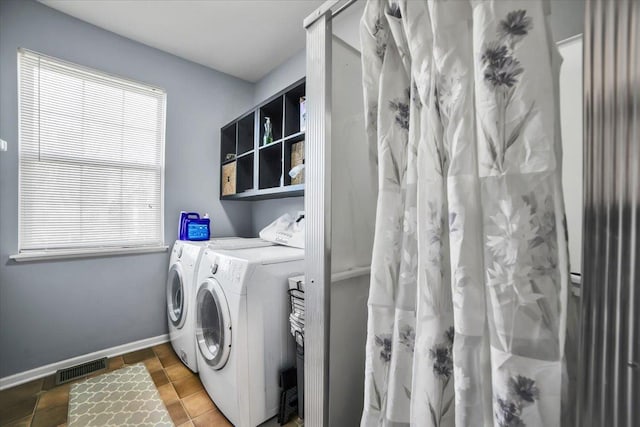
(255, 171)
(269, 193)
(245, 154)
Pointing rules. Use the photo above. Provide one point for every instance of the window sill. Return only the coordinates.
(83, 253)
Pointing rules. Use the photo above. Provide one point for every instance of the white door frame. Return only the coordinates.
(317, 206)
(317, 203)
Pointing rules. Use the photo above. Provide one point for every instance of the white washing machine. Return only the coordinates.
(183, 264)
(242, 329)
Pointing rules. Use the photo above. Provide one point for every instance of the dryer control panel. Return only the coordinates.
(230, 273)
(228, 270)
(223, 266)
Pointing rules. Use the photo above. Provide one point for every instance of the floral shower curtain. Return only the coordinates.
(469, 284)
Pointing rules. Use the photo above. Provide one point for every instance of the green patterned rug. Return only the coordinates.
(125, 397)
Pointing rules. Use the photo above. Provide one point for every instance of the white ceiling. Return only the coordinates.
(244, 38)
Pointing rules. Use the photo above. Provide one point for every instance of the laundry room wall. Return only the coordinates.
(51, 311)
(265, 211)
(288, 72)
(567, 18)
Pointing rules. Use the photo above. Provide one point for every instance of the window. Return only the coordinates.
(91, 158)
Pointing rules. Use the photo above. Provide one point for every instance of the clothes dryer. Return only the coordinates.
(242, 332)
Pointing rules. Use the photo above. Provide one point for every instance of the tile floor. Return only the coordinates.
(41, 403)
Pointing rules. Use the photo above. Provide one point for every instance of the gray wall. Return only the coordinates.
(279, 78)
(265, 211)
(567, 18)
(51, 311)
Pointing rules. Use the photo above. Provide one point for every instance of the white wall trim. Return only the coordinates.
(83, 253)
(350, 274)
(43, 371)
(569, 39)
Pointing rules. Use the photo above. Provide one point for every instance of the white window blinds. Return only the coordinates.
(91, 158)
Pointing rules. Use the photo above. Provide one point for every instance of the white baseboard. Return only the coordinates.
(43, 371)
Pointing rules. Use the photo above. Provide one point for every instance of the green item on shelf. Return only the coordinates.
(268, 135)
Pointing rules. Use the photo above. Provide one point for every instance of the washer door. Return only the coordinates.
(214, 324)
(176, 296)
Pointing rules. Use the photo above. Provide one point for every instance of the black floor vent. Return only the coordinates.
(79, 371)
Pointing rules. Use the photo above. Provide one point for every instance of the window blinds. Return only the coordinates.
(91, 158)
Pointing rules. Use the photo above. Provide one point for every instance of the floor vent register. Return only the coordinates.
(69, 374)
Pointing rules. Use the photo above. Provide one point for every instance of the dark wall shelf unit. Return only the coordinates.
(262, 170)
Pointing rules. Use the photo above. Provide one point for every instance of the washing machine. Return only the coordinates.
(242, 333)
(183, 264)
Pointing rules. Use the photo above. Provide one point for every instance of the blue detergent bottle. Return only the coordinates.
(192, 227)
(199, 229)
(182, 225)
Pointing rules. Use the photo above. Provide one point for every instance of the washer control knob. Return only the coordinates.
(214, 268)
(180, 252)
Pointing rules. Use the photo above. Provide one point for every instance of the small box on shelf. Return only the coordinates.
(229, 179)
(297, 159)
(294, 161)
